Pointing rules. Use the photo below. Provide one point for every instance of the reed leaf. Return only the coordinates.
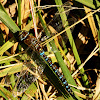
(90, 3)
(8, 94)
(4, 17)
(19, 13)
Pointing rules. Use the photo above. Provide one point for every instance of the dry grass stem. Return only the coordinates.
(96, 49)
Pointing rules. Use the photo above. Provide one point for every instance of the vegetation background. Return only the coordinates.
(68, 31)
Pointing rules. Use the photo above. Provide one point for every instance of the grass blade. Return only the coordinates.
(90, 3)
(4, 17)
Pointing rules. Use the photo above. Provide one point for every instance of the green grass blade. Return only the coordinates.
(4, 17)
(90, 3)
(11, 70)
(7, 93)
(4, 59)
(3, 95)
(7, 45)
(19, 13)
(12, 79)
(30, 91)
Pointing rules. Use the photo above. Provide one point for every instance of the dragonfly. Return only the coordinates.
(35, 45)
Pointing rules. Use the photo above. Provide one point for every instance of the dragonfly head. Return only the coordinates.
(23, 35)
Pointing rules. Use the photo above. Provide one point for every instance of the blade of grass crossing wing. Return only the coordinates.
(30, 91)
(71, 40)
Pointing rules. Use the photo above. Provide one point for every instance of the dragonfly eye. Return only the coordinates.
(23, 35)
